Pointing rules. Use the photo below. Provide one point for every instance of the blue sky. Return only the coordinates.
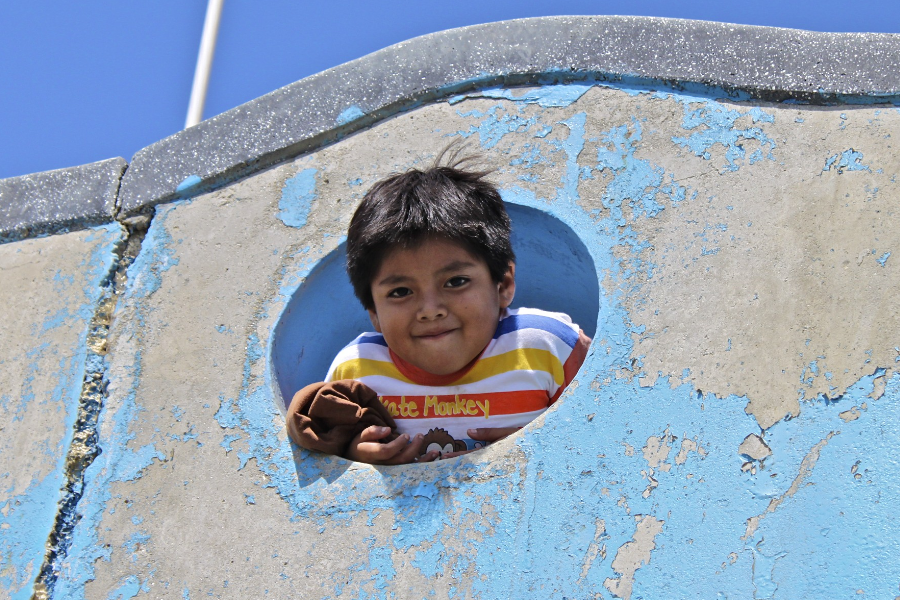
(84, 81)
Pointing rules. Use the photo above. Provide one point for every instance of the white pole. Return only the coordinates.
(204, 62)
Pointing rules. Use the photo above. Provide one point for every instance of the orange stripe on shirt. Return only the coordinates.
(465, 405)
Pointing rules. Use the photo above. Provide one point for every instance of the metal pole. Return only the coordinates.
(204, 62)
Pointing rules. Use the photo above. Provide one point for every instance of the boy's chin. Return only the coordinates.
(438, 365)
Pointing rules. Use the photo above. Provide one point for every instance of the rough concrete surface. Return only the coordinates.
(744, 252)
(765, 62)
(51, 201)
(51, 289)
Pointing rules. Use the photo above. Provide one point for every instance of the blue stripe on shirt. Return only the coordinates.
(369, 338)
(548, 324)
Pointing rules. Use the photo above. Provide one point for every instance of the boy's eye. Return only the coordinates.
(399, 292)
(457, 281)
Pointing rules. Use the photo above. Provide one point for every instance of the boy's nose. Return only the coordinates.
(431, 308)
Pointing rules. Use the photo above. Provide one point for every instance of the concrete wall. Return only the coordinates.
(724, 221)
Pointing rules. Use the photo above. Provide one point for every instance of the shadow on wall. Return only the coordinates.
(554, 271)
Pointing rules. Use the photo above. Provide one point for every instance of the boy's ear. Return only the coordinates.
(507, 286)
(374, 318)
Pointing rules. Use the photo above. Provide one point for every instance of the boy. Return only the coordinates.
(429, 257)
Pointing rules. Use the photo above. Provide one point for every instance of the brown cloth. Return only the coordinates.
(327, 416)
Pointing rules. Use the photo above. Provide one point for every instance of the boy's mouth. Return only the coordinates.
(435, 335)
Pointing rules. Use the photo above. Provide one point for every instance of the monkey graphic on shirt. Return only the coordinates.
(440, 440)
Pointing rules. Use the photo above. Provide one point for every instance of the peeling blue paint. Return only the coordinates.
(493, 128)
(296, 197)
(118, 461)
(848, 160)
(188, 185)
(359, 493)
(636, 182)
(850, 512)
(715, 124)
(27, 517)
(129, 588)
(691, 540)
(881, 261)
(626, 452)
(530, 157)
(428, 560)
(156, 257)
(133, 543)
(763, 567)
(351, 113)
(228, 439)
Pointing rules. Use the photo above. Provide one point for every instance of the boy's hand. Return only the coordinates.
(367, 448)
(484, 434)
(491, 434)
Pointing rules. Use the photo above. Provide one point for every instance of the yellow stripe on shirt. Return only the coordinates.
(521, 359)
(357, 368)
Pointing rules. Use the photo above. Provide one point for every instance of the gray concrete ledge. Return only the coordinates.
(766, 63)
(51, 201)
(745, 61)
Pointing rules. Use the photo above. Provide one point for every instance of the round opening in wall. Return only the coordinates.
(554, 272)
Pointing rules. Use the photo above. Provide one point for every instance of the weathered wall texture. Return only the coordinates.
(731, 434)
(744, 258)
(51, 289)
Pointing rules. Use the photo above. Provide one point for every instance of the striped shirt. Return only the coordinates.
(533, 355)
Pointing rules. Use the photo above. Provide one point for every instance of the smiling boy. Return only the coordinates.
(430, 258)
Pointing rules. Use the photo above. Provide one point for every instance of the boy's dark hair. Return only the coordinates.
(405, 209)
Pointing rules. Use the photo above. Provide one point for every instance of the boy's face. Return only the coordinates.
(436, 304)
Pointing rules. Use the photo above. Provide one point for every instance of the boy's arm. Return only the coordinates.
(573, 363)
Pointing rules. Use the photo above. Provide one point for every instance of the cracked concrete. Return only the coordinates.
(632, 555)
(84, 446)
(754, 447)
(51, 289)
(806, 467)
